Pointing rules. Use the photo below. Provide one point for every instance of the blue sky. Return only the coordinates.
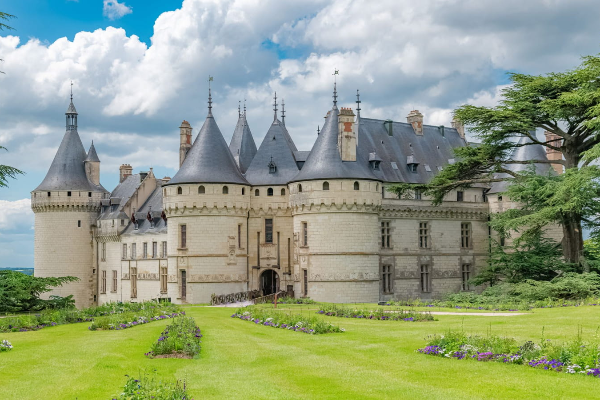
(133, 92)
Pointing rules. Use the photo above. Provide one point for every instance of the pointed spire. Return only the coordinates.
(275, 106)
(335, 73)
(357, 104)
(244, 107)
(91, 154)
(283, 112)
(239, 109)
(210, 78)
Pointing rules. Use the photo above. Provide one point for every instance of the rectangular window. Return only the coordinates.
(145, 250)
(425, 279)
(163, 279)
(133, 251)
(305, 282)
(103, 283)
(183, 236)
(385, 235)
(305, 234)
(502, 241)
(114, 283)
(417, 194)
(466, 275)
(239, 236)
(268, 230)
(386, 278)
(164, 249)
(423, 235)
(460, 195)
(465, 235)
(122, 222)
(103, 257)
(124, 251)
(79, 223)
(154, 249)
(133, 278)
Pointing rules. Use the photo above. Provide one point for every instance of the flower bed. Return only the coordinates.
(180, 339)
(47, 318)
(570, 357)
(495, 305)
(378, 314)
(5, 345)
(283, 320)
(150, 387)
(131, 319)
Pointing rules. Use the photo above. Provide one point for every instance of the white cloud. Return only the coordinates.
(16, 214)
(115, 10)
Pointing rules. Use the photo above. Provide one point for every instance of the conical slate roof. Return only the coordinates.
(71, 109)
(527, 152)
(209, 160)
(92, 155)
(324, 161)
(242, 144)
(274, 148)
(67, 171)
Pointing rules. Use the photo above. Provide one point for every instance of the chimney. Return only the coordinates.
(166, 179)
(459, 126)
(185, 140)
(415, 118)
(554, 140)
(125, 170)
(347, 134)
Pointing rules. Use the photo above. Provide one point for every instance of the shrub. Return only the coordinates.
(569, 357)
(378, 314)
(292, 300)
(280, 319)
(5, 345)
(130, 319)
(182, 336)
(150, 387)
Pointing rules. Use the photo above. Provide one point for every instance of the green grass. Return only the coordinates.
(371, 360)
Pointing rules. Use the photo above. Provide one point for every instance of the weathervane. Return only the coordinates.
(210, 79)
(358, 103)
(283, 112)
(335, 72)
(275, 106)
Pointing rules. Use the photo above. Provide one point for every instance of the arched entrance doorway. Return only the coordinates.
(269, 282)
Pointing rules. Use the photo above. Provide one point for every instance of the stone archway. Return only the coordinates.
(269, 282)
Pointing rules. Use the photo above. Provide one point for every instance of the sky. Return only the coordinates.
(139, 67)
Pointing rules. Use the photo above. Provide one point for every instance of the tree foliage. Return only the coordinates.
(21, 292)
(566, 104)
(7, 171)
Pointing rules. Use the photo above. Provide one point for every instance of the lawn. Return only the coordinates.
(371, 360)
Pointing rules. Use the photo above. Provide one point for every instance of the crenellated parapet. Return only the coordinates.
(206, 199)
(65, 201)
(335, 196)
(416, 209)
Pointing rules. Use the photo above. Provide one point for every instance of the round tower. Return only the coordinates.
(335, 200)
(206, 204)
(66, 205)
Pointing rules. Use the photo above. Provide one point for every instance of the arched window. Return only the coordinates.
(243, 191)
(225, 190)
(201, 189)
(283, 192)
(257, 193)
(356, 186)
(325, 185)
(270, 192)
(299, 188)
(179, 190)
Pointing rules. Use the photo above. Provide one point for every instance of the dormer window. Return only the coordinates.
(412, 163)
(412, 167)
(374, 161)
(272, 166)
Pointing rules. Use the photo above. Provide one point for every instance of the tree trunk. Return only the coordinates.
(572, 244)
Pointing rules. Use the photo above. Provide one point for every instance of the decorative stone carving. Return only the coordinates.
(346, 277)
(216, 278)
(231, 252)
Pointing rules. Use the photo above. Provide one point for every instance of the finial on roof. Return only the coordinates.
(244, 107)
(283, 112)
(357, 104)
(275, 106)
(318, 129)
(335, 72)
(210, 78)
(71, 91)
(239, 109)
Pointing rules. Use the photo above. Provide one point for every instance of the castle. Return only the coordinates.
(234, 218)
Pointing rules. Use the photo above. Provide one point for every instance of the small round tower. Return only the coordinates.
(335, 201)
(66, 205)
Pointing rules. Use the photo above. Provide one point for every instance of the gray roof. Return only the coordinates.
(429, 151)
(92, 155)
(209, 160)
(276, 147)
(67, 171)
(527, 152)
(119, 197)
(324, 161)
(242, 144)
(71, 109)
(152, 208)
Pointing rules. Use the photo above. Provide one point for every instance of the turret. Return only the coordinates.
(185, 140)
(92, 165)
(242, 145)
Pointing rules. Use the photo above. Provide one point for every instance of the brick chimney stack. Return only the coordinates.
(459, 126)
(185, 140)
(125, 170)
(415, 118)
(552, 154)
(347, 134)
